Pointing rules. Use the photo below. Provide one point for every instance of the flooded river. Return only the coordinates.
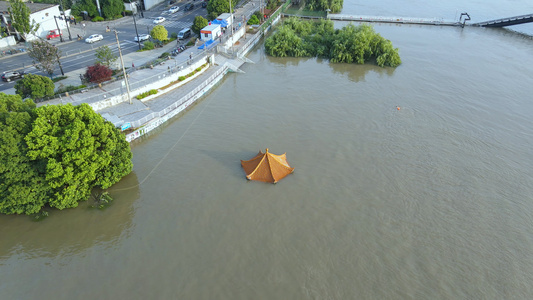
(432, 201)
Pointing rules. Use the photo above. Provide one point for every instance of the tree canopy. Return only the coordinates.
(199, 23)
(45, 56)
(159, 33)
(217, 7)
(55, 155)
(112, 9)
(98, 73)
(322, 5)
(105, 56)
(20, 18)
(85, 5)
(351, 44)
(35, 86)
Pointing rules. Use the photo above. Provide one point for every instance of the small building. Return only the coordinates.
(40, 13)
(210, 32)
(226, 17)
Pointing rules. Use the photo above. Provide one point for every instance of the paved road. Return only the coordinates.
(78, 55)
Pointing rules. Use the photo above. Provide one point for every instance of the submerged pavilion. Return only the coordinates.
(267, 167)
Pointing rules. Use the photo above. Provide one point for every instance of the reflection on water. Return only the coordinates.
(71, 231)
(432, 201)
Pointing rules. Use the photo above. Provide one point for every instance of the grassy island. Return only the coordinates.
(351, 44)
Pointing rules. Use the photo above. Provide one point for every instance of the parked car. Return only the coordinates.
(8, 76)
(142, 37)
(204, 4)
(173, 9)
(94, 38)
(189, 6)
(53, 34)
(159, 20)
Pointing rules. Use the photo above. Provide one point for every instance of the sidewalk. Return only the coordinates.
(111, 99)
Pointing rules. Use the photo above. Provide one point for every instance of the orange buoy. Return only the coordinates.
(397, 107)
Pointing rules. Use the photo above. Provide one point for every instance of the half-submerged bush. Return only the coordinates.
(351, 44)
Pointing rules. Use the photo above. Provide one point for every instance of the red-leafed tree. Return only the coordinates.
(98, 73)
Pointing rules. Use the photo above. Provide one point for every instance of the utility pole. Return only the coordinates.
(58, 30)
(136, 32)
(123, 68)
(65, 16)
(59, 62)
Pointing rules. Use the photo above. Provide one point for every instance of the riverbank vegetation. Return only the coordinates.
(323, 5)
(54, 155)
(351, 44)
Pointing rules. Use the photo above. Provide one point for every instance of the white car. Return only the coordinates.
(142, 37)
(159, 20)
(173, 9)
(94, 38)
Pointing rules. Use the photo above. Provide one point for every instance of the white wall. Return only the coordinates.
(46, 20)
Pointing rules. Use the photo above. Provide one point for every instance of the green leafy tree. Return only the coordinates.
(148, 45)
(55, 155)
(45, 56)
(35, 86)
(22, 183)
(79, 150)
(105, 56)
(112, 8)
(159, 33)
(20, 18)
(351, 44)
(217, 7)
(85, 5)
(199, 23)
(285, 42)
(254, 20)
(322, 5)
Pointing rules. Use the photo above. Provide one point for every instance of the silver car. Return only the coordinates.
(94, 38)
(141, 37)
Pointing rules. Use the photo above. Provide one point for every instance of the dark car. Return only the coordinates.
(8, 76)
(204, 4)
(188, 6)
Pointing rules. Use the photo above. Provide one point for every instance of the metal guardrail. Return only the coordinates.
(90, 97)
(179, 102)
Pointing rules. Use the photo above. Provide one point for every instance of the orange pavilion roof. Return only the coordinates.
(267, 167)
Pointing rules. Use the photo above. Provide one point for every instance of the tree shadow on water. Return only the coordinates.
(357, 72)
(71, 231)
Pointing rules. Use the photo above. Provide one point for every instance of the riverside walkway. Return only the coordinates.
(138, 117)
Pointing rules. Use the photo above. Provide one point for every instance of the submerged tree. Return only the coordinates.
(351, 44)
(79, 149)
(22, 183)
(55, 155)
